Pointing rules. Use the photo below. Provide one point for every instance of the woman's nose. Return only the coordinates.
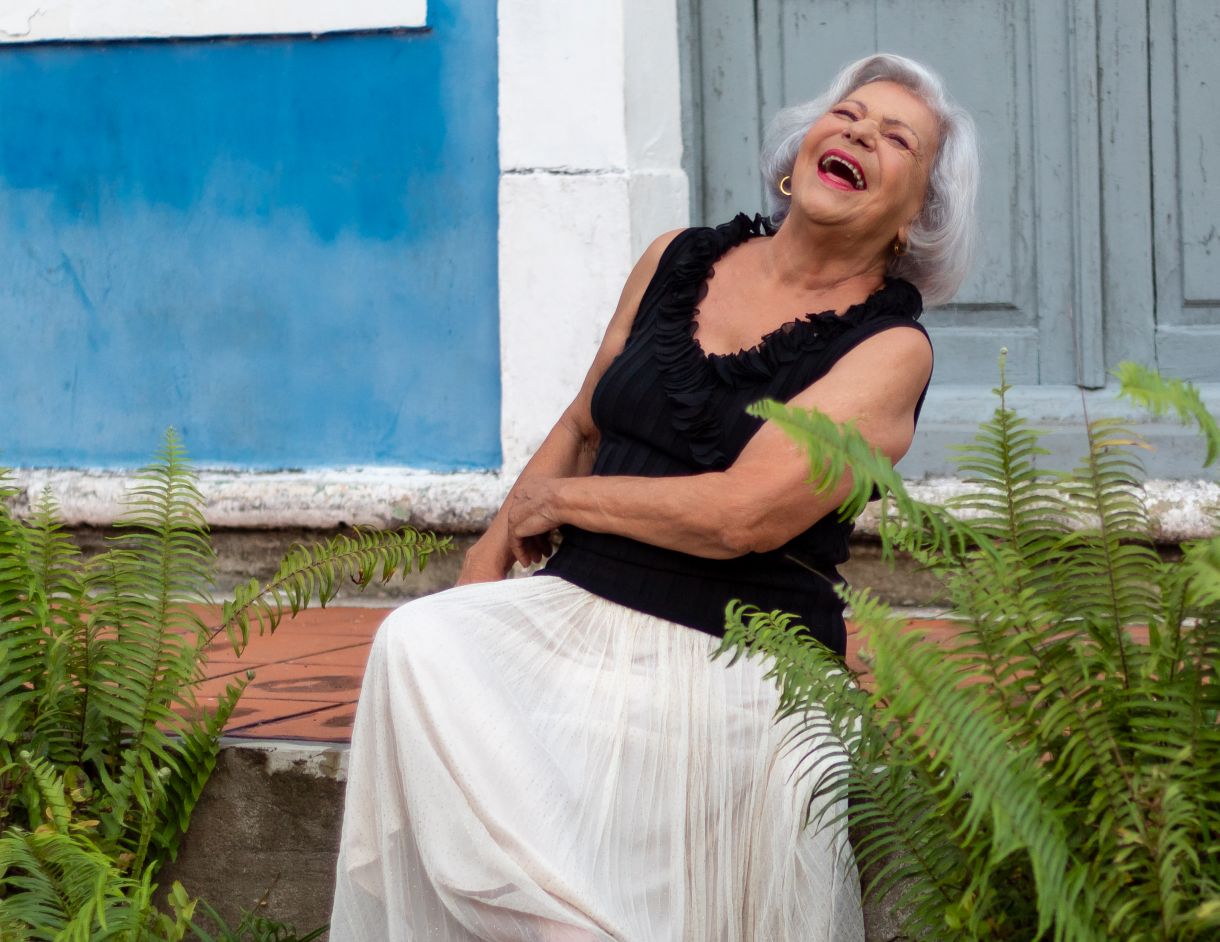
(863, 132)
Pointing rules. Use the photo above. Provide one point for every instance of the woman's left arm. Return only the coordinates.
(763, 499)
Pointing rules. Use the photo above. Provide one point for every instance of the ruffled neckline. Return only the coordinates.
(690, 374)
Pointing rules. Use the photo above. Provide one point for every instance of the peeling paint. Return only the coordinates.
(17, 24)
(382, 497)
(1179, 510)
(128, 19)
(313, 760)
(565, 171)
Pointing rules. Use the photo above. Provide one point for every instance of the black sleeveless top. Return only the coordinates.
(664, 408)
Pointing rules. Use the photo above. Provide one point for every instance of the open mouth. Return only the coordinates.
(841, 171)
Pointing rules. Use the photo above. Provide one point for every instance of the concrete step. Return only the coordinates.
(243, 554)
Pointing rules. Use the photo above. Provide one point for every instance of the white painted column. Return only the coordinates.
(590, 163)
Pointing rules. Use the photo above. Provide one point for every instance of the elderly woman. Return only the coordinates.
(558, 758)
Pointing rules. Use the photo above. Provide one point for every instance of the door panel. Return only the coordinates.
(1185, 73)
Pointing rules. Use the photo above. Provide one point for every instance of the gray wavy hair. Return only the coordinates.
(941, 241)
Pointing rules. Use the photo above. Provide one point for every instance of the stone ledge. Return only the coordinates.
(1180, 510)
(460, 503)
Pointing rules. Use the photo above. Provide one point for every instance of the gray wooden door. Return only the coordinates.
(1185, 123)
(1099, 125)
(1009, 63)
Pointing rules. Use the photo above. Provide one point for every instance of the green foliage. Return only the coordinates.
(104, 749)
(251, 927)
(1053, 771)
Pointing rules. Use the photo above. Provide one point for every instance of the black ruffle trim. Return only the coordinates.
(690, 374)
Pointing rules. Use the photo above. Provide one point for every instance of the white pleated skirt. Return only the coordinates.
(533, 763)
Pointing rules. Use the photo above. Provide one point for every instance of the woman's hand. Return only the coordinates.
(531, 519)
(487, 561)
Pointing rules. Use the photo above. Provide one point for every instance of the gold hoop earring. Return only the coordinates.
(784, 187)
(900, 248)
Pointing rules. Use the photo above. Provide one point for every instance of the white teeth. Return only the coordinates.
(835, 158)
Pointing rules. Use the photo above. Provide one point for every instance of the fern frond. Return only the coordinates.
(317, 572)
(1077, 765)
(50, 784)
(1114, 570)
(46, 878)
(1159, 395)
(899, 837)
(23, 639)
(60, 602)
(54, 559)
(62, 887)
(835, 450)
(148, 660)
(957, 728)
(1013, 502)
(1202, 565)
(195, 752)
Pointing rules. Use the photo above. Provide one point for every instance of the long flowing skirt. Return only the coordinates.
(533, 763)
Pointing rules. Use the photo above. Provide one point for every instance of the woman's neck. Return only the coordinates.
(806, 257)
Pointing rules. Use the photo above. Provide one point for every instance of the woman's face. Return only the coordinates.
(863, 166)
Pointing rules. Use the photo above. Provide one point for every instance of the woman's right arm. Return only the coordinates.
(569, 449)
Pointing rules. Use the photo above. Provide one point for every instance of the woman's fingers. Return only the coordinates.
(532, 549)
(543, 545)
(530, 523)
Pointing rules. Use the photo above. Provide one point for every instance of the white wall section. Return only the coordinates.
(24, 21)
(591, 172)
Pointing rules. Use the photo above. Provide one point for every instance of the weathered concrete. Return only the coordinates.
(265, 833)
(265, 836)
(1179, 510)
(248, 554)
(460, 503)
(318, 499)
(899, 583)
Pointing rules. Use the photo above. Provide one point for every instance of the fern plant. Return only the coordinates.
(104, 749)
(1054, 772)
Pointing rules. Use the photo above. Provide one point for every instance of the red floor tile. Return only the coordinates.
(329, 724)
(327, 683)
(356, 656)
(308, 674)
(273, 651)
(362, 622)
(254, 711)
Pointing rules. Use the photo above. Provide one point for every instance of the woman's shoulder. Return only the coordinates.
(659, 248)
(897, 298)
(687, 253)
(707, 240)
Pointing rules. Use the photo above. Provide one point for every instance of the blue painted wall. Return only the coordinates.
(285, 248)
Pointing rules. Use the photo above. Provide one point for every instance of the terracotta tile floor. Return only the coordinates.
(307, 675)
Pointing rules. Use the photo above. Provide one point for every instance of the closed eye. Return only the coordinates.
(844, 113)
(899, 140)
